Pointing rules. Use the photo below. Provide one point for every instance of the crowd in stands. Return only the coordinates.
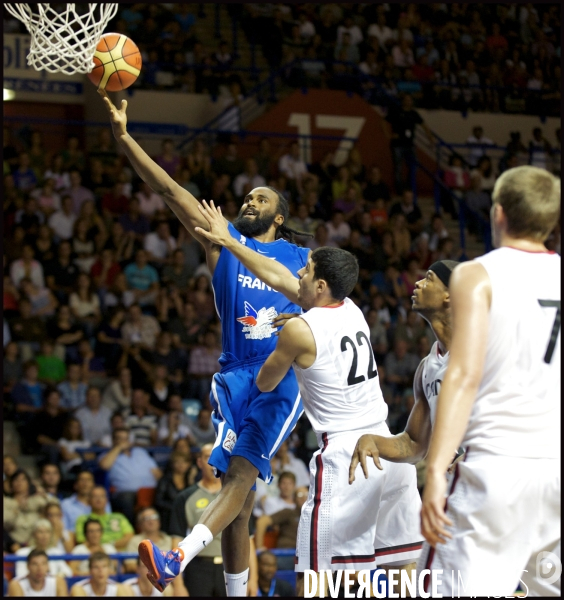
(483, 57)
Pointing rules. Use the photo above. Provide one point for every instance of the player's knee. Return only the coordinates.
(240, 473)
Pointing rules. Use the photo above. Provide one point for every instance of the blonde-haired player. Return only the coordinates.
(500, 399)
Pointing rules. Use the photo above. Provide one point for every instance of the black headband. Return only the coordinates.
(443, 269)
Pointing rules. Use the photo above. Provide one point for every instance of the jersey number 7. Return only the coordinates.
(555, 328)
(353, 378)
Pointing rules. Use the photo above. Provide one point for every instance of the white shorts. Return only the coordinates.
(506, 528)
(338, 523)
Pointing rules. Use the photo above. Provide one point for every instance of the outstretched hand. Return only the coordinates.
(118, 118)
(365, 447)
(218, 232)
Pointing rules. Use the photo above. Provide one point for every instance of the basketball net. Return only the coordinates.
(63, 41)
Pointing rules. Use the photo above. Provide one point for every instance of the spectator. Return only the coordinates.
(117, 395)
(201, 296)
(403, 55)
(72, 155)
(199, 164)
(44, 246)
(479, 202)
(117, 530)
(375, 187)
(179, 474)
(411, 212)
(65, 332)
(49, 482)
(285, 497)
(99, 582)
(24, 176)
(268, 584)
(28, 331)
(134, 222)
(204, 574)
(94, 418)
(353, 31)
(52, 369)
(539, 150)
(400, 367)
(148, 201)
(92, 366)
(248, 180)
(140, 421)
(26, 266)
(338, 230)
(140, 329)
(12, 367)
(496, 40)
(83, 246)
(149, 527)
(168, 159)
(284, 460)
(43, 303)
(121, 243)
(378, 337)
(27, 397)
(400, 130)
(142, 278)
(46, 427)
(41, 538)
(203, 364)
(437, 231)
(105, 270)
(351, 204)
(456, 176)
(38, 581)
(203, 430)
(129, 469)
(412, 329)
(78, 503)
(61, 273)
(77, 191)
(346, 50)
(159, 244)
(177, 273)
(478, 145)
(22, 507)
(401, 235)
(293, 167)
(287, 522)
(69, 443)
(93, 532)
(487, 176)
(85, 305)
(29, 217)
(302, 221)
(47, 198)
(230, 163)
(61, 538)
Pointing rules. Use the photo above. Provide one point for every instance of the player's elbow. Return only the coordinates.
(264, 386)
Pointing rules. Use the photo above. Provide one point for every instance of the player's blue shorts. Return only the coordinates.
(248, 422)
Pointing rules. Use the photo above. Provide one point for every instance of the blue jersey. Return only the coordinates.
(246, 305)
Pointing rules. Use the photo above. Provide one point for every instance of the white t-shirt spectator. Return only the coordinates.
(84, 308)
(83, 549)
(382, 33)
(149, 205)
(18, 272)
(56, 567)
(337, 235)
(292, 168)
(159, 247)
(477, 151)
(72, 446)
(242, 180)
(307, 30)
(62, 224)
(354, 32)
(273, 504)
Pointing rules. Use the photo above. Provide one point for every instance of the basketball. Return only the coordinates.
(117, 63)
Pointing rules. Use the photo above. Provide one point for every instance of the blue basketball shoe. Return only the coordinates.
(163, 566)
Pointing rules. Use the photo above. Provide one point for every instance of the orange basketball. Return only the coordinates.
(117, 63)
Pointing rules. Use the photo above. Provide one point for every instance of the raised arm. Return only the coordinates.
(271, 272)
(180, 201)
(410, 446)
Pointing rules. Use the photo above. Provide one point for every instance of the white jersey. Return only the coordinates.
(434, 369)
(341, 391)
(111, 588)
(48, 590)
(133, 583)
(517, 407)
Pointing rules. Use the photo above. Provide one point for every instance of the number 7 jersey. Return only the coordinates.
(341, 390)
(517, 407)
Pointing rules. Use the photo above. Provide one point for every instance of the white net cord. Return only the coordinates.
(63, 41)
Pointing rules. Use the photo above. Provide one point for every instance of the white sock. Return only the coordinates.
(236, 584)
(194, 543)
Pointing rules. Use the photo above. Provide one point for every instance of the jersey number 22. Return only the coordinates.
(353, 378)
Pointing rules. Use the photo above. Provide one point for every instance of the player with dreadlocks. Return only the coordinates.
(251, 425)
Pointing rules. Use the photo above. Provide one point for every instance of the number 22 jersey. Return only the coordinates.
(341, 390)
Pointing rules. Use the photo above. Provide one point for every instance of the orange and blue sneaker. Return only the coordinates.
(163, 566)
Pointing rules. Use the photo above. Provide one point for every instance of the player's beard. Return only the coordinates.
(253, 227)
